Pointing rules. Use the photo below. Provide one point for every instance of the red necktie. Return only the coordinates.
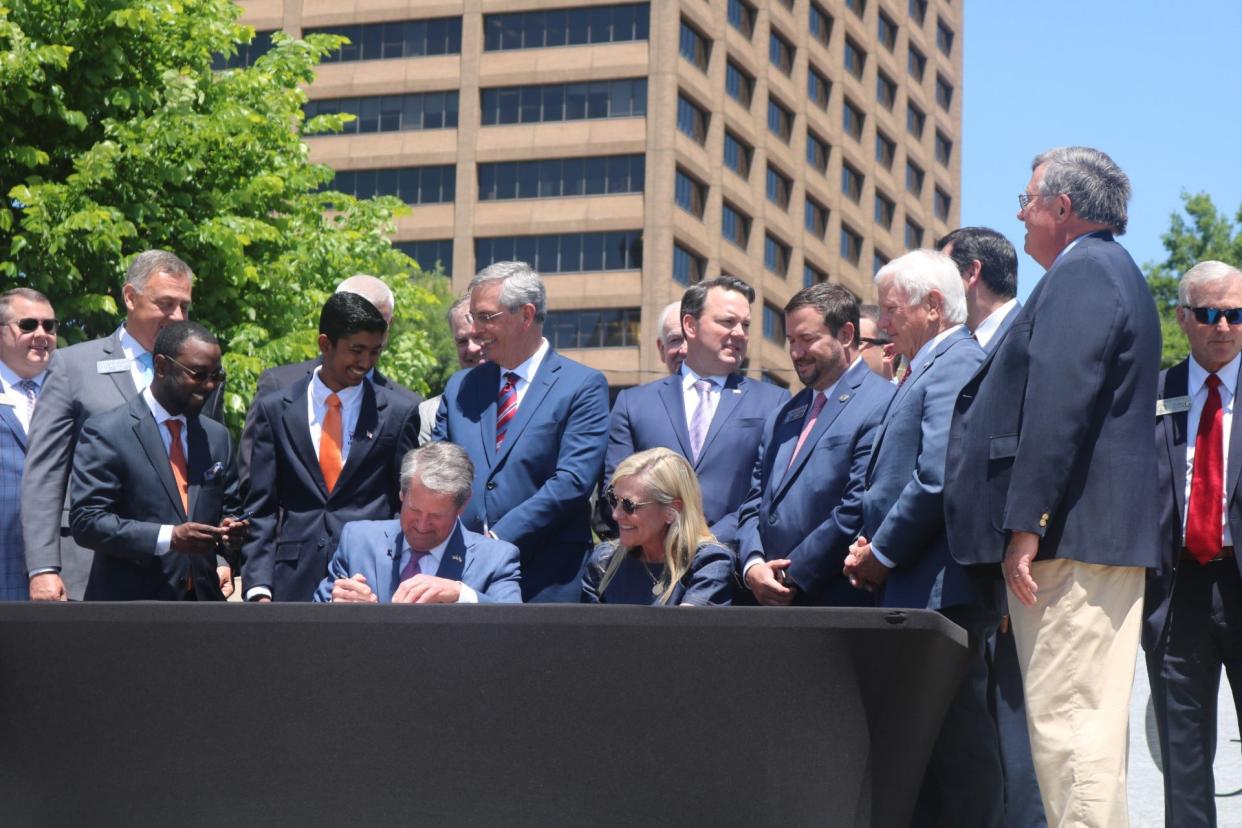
(506, 406)
(1204, 512)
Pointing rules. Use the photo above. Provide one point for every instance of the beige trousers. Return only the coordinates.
(1077, 649)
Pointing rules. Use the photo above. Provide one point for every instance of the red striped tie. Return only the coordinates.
(506, 406)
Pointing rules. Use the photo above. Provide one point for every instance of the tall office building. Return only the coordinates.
(629, 149)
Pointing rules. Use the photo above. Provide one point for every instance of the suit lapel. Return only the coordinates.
(735, 388)
(152, 442)
(675, 407)
(297, 427)
(1176, 384)
(489, 393)
(785, 435)
(395, 549)
(1235, 444)
(833, 406)
(197, 463)
(453, 561)
(544, 379)
(8, 418)
(123, 380)
(370, 423)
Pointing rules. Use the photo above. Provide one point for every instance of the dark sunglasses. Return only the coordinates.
(628, 506)
(1210, 316)
(29, 325)
(871, 340)
(198, 374)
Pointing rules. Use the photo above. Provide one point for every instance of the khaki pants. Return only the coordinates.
(1077, 649)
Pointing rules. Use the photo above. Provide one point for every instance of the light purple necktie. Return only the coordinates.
(31, 388)
(816, 406)
(702, 420)
(411, 567)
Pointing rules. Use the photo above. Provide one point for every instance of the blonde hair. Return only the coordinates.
(668, 478)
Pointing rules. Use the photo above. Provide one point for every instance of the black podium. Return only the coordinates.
(303, 715)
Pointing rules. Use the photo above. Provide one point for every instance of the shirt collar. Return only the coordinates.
(1197, 376)
(988, 326)
(527, 370)
(832, 389)
(1070, 246)
(925, 352)
(436, 552)
(689, 377)
(9, 380)
(319, 391)
(129, 345)
(161, 414)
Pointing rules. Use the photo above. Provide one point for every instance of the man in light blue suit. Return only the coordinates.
(708, 412)
(534, 424)
(27, 340)
(805, 504)
(903, 551)
(425, 556)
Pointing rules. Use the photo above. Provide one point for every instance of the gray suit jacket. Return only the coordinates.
(74, 391)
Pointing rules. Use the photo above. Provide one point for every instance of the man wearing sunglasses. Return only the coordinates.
(27, 340)
(154, 486)
(1194, 600)
(86, 379)
(874, 346)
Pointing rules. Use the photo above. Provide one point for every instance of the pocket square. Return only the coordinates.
(214, 472)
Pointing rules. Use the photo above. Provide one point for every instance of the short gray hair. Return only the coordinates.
(149, 262)
(443, 467)
(460, 302)
(1203, 273)
(919, 272)
(520, 285)
(673, 308)
(373, 290)
(1097, 188)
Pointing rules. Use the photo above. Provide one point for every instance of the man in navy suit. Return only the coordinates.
(1193, 607)
(903, 551)
(534, 425)
(427, 556)
(327, 451)
(708, 412)
(1052, 475)
(989, 267)
(154, 492)
(27, 340)
(805, 506)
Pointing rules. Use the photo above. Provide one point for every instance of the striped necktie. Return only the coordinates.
(506, 406)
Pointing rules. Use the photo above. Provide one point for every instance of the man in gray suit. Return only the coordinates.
(469, 354)
(83, 380)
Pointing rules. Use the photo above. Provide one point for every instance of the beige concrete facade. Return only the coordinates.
(666, 148)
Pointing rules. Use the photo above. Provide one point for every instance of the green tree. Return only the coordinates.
(1202, 233)
(119, 136)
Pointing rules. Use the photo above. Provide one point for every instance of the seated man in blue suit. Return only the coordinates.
(534, 425)
(922, 307)
(426, 556)
(707, 412)
(805, 506)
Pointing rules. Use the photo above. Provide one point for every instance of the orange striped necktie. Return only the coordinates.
(176, 459)
(330, 442)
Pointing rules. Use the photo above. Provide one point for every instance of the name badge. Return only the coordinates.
(1172, 405)
(795, 414)
(111, 366)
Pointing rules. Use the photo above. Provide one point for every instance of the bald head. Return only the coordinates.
(373, 290)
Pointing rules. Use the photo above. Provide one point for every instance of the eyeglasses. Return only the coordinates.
(628, 506)
(198, 374)
(29, 325)
(1210, 316)
(486, 318)
(1025, 199)
(871, 340)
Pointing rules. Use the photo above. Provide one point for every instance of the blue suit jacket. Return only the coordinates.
(296, 521)
(373, 548)
(903, 504)
(654, 415)
(1053, 433)
(13, 582)
(811, 512)
(534, 492)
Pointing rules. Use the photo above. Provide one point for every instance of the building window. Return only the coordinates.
(918, 10)
(818, 88)
(812, 275)
(694, 47)
(690, 194)
(739, 85)
(884, 211)
(815, 217)
(413, 185)
(885, 150)
(780, 52)
(780, 120)
(914, 235)
(942, 202)
(692, 120)
(821, 24)
(742, 17)
(851, 183)
(885, 90)
(878, 260)
(779, 187)
(916, 64)
(944, 38)
(858, 7)
(687, 267)
(773, 324)
(431, 255)
(915, 120)
(247, 53)
(852, 120)
(886, 31)
(855, 59)
(562, 177)
(565, 27)
(394, 39)
(737, 154)
(391, 113)
(944, 148)
(605, 328)
(914, 178)
(775, 256)
(565, 253)
(944, 93)
(625, 98)
(817, 153)
(851, 244)
(734, 225)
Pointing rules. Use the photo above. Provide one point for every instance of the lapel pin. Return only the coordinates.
(370, 435)
(212, 473)
(457, 558)
(843, 397)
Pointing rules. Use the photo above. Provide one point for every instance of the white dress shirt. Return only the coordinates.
(1196, 386)
(133, 351)
(690, 395)
(164, 539)
(317, 407)
(525, 372)
(11, 394)
(987, 328)
(430, 564)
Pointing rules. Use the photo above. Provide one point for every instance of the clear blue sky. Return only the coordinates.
(1155, 84)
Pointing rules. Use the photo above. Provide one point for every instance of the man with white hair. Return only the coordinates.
(903, 551)
(671, 343)
(1194, 600)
